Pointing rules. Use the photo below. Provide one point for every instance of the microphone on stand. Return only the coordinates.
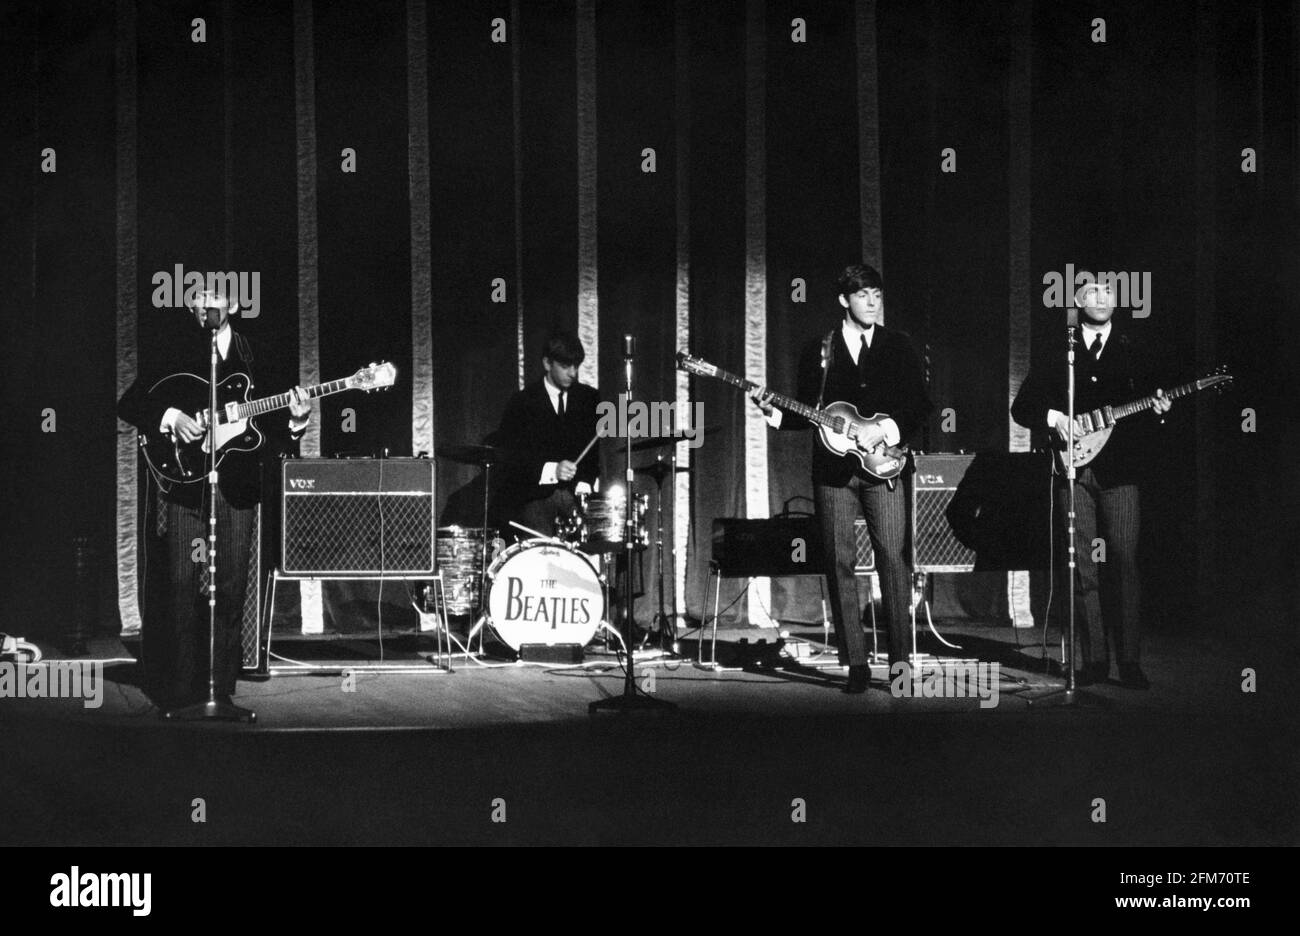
(629, 347)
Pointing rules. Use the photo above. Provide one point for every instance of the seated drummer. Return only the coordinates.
(544, 429)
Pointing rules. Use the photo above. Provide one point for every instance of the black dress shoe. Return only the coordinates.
(1132, 677)
(859, 679)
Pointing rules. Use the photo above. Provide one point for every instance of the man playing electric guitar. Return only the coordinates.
(878, 371)
(1110, 368)
(175, 634)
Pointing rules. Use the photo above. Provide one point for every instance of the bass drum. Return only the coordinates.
(542, 591)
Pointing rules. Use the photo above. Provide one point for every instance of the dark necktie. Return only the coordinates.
(862, 357)
(1095, 348)
(561, 409)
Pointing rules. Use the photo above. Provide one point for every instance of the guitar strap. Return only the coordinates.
(827, 343)
(245, 351)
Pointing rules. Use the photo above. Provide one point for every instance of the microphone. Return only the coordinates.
(208, 316)
(629, 347)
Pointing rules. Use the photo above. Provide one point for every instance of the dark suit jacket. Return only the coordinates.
(240, 473)
(1125, 372)
(893, 384)
(532, 435)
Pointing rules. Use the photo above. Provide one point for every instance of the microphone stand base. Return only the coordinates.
(1063, 697)
(211, 710)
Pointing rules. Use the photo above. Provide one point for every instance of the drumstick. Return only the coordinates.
(527, 530)
(583, 453)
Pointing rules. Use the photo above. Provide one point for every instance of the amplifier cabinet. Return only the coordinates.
(358, 516)
(933, 488)
(982, 512)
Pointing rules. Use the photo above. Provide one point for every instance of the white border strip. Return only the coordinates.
(588, 300)
(756, 494)
(313, 617)
(128, 318)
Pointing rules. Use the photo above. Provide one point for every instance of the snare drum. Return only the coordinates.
(597, 522)
(542, 591)
(460, 560)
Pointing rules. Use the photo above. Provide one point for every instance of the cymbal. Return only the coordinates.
(658, 467)
(470, 454)
(660, 441)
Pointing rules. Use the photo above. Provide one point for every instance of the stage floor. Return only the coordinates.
(430, 757)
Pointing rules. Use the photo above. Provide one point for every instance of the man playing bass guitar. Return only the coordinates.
(878, 371)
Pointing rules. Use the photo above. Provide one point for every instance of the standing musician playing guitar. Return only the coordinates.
(877, 370)
(1110, 368)
(175, 634)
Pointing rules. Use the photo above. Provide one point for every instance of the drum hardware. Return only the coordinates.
(664, 623)
(597, 523)
(484, 456)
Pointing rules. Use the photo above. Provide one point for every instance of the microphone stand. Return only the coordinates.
(629, 701)
(213, 709)
(1069, 694)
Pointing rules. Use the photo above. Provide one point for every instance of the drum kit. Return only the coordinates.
(541, 590)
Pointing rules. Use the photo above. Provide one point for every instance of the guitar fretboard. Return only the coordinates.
(1096, 419)
(281, 400)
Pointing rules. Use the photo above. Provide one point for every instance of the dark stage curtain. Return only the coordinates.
(533, 156)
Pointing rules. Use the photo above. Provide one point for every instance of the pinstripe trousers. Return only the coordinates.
(175, 636)
(1108, 595)
(886, 515)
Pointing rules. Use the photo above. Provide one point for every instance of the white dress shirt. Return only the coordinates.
(1087, 334)
(550, 469)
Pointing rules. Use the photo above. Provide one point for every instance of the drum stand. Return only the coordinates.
(665, 622)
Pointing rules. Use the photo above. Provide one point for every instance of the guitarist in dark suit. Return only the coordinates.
(878, 371)
(545, 426)
(175, 634)
(1111, 367)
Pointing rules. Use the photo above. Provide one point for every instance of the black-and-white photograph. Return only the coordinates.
(652, 423)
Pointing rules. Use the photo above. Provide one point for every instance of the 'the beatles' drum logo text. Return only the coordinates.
(555, 609)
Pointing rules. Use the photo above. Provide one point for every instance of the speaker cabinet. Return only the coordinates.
(358, 517)
(981, 512)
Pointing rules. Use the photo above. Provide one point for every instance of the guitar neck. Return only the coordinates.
(810, 413)
(1146, 402)
(282, 400)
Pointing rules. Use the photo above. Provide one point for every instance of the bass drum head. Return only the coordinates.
(544, 592)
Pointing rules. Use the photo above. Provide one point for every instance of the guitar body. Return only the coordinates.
(842, 437)
(1087, 446)
(177, 462)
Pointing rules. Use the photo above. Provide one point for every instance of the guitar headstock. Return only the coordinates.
(1219, 379)
(694, 365)
(374, 377)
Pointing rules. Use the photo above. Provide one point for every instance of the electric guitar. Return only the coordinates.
(175, 462)
(1092, 429)
(843, 430)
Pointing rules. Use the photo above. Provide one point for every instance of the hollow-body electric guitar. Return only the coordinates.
(843, 430)
(175, 462)
(1092, 429)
